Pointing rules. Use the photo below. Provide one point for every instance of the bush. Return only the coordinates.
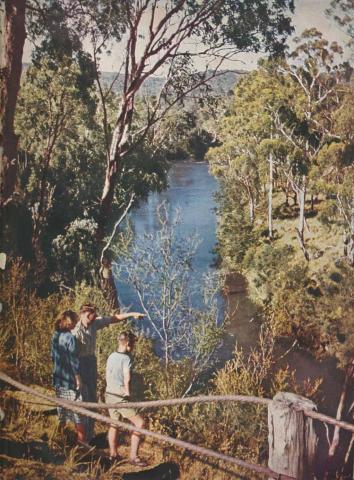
(27, 324)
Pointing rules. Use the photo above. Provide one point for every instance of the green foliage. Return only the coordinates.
(316, 310)
(75, 251)
(27, 324)
(298, 112)
(335, 166)
(250, 24)
(266, 260)
(180, 134)
(343, 11)
(63, 25)
(60, 147)
(235, 232)
(62, 161)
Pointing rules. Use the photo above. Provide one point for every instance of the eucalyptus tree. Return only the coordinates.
(250, 148)
(61, 159)
(55, 127)
(317, 71)
(12, 39)
(335, 172)
(159, 269)
(156, 41)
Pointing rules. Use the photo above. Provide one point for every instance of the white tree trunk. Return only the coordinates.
(301, 200)
(291, 436)
(270, 197)
(251, 201)
(341, 405)
(350, 243)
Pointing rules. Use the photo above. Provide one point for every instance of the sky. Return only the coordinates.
(308, 13)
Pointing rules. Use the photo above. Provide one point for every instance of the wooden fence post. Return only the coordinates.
(291, 436)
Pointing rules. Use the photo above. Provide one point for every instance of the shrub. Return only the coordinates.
(27, 324)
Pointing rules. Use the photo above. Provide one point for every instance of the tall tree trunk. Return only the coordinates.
(106, 275)
(335, 440)
(251, 204)
(117, 151)
(349, 241)
(107, 198)
(301, 195)
(301, 201)
(312, 202)
(108, 285)
(270, 197)
(13, 36)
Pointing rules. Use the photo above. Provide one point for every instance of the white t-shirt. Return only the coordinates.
(118, 364)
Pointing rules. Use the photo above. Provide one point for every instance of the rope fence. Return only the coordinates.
(84, 408)
(190, 400)
(157, 436)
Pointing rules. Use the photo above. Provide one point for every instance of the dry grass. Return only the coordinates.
(323, 243)
(33, 447)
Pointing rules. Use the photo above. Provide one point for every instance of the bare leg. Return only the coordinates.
(113, 440)
(80, 430)
(138, 421)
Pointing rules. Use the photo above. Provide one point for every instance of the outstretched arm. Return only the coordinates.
(120, 317)
(102, 322)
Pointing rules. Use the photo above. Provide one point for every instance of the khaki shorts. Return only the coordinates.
(116, 413)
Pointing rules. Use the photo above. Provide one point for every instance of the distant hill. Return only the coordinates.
(221, 85)
(152, 86)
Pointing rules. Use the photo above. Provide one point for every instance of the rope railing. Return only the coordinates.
(205, 399)
(214, 398)
(157, 436)
(177, 401)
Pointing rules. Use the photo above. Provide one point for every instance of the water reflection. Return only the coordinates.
(191, 190)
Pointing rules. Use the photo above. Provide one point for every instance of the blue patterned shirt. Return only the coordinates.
(65, 360)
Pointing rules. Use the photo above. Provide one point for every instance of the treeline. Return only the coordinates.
(285, 165)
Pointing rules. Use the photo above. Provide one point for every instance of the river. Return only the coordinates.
(192, 190)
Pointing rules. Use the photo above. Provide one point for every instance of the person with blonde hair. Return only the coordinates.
(66, 375)
(118, 379)
(86, 332)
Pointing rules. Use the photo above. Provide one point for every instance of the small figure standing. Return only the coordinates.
(86, 332)
(118, 377)
(66, 376)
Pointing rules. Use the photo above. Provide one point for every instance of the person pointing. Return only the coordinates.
(86, 333)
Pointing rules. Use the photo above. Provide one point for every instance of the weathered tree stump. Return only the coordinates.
(291, 435)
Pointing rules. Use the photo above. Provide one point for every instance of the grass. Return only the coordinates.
(323, 243)
(33, 447)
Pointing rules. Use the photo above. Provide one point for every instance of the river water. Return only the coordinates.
(191, 190)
